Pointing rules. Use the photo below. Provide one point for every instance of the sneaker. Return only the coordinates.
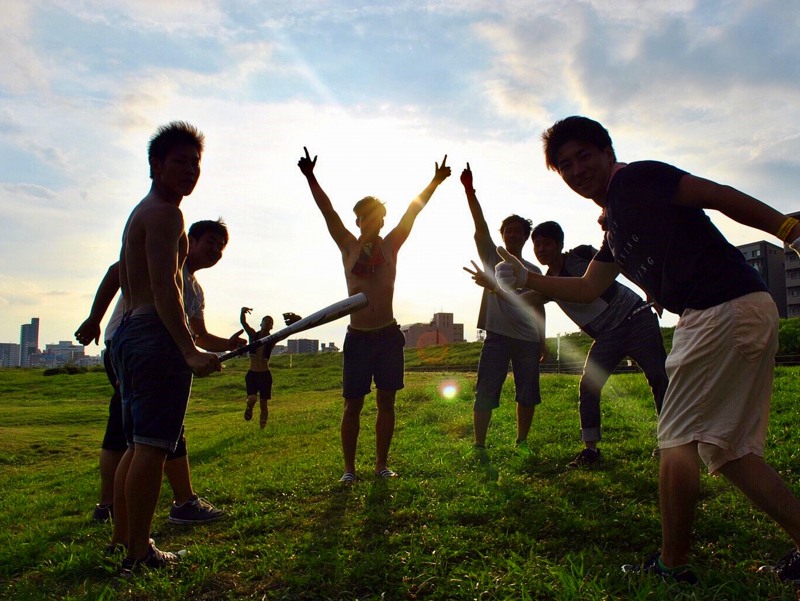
(787, 568)
(653, 565)
(155, 559)
(195, 511)
(103, 513)
(586, 458)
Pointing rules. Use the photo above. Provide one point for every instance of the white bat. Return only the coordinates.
(328, 314)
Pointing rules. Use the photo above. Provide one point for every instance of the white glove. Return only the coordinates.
(510, 273)
(795, 246)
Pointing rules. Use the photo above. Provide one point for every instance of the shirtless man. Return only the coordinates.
(153, 352)
(258, 379)
(374, 344)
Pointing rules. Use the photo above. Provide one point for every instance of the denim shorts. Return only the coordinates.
(377, 354)
(497, 352)
(154, 379)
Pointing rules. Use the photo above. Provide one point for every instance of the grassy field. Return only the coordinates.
(448, 528)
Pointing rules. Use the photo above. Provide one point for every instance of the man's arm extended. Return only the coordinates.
(482, 235)
(243, 320)
(336, 228)
(90, 329)
(512, 274)
(211, 342)
(701, 193)
(400, 233)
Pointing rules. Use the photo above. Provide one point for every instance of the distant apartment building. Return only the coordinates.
(440, 330)
(330, 348)
(792, 274)
(63, 353)
(770, 262)
(302, 345)
(9, 354)
(28, 341)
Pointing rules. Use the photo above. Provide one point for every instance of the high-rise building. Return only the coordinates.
(9, 354)
(28, 341)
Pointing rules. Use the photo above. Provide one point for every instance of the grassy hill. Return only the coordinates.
(448, 528)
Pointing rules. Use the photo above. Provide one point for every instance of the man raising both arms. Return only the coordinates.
(153, 351)
(374, 344)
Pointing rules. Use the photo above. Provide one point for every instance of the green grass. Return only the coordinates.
(448, 528)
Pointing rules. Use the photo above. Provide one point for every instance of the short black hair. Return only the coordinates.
(217, 227)
(369, 205)
(575, 128)
(549, 229)
(174, 133)
(525, 223)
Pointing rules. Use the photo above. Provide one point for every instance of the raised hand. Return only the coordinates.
(481, 278)
(306, 164)
(466, 179)
(290, 318)
(510, 273)
(246, 310)
(442, 173)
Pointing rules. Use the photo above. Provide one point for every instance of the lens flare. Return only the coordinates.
(448, 389)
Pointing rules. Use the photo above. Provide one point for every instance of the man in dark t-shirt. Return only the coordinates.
(722, 359)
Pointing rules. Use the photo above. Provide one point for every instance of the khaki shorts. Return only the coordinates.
(720, 379)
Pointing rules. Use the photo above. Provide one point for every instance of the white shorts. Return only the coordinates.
(720, 379)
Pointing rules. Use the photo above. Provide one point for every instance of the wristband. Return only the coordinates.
(786, 228)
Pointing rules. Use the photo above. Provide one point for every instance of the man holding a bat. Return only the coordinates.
(373, 347)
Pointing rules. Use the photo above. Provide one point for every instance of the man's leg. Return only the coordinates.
(646, 347)
(384, 427)
(492, 373)
(525, 364)
(767, 491)
(109, 461)
(142, 487)
(602, 358)
(480, 422)
(678, 486)
(263, 411)
(180, 480)
(524, 420)
(351, 424)
(120, 535)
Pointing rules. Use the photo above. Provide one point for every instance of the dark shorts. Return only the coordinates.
(155, 382)
(497, 351)
(259, 382)
(114, 439)
(367, 355)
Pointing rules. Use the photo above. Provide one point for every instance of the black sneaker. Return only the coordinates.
(103, 513)
(195, 511)
(155, 559)
(787, 568)
(586, 458)
(651, 565)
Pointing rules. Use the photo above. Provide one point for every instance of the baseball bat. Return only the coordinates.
(328, 314)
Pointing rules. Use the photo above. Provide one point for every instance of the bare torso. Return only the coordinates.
(379, 286)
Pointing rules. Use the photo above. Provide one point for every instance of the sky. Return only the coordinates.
(380, 92)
